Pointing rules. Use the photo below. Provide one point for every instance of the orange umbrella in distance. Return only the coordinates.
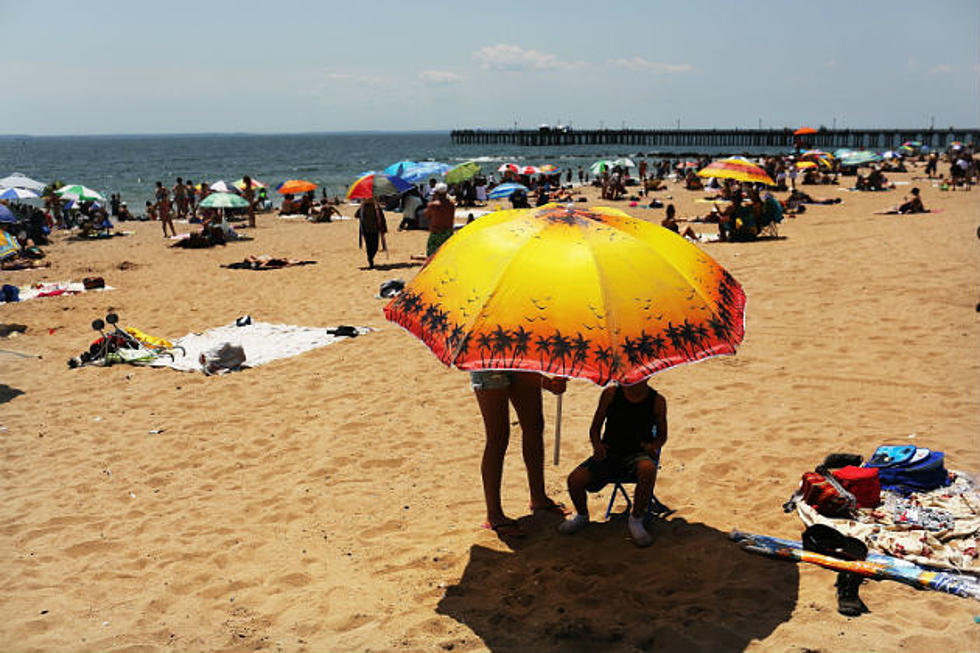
(294, 186)
(804, 131)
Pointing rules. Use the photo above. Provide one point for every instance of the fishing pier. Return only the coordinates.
(732, 139)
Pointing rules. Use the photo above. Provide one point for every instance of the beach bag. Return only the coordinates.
(91, 283)
(862, 482)
(9, 293)
(826, 495)
(924, 471)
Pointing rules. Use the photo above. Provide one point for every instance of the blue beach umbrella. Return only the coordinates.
(860, 158)
(6, 215)
(423, 170)
(504, 191)
(399, 167)
(17, 194)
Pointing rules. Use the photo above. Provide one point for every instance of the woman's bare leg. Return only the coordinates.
(496, 422)
(525, 394)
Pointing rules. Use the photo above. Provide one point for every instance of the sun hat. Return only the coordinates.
(441, 188)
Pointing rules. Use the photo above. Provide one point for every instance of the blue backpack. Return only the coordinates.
(9, 293)
(922, 471)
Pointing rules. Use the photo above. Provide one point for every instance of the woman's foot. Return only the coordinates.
(551, 506)
(639, 534)
(505, 528)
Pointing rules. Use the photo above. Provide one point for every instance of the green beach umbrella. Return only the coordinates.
(224, 201)
(79, 192)
(462, 172)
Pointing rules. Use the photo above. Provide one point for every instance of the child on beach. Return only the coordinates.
(635, 418)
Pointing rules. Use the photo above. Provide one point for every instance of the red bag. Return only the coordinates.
(862, 482)
(823, 495)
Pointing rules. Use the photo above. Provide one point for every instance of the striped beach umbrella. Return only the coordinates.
(20, 180)
(377, 184)
(79, 192)
(504, 191)
(17, 194)
(422, 171)
(737, 169)
(529, 170)
(509, 167)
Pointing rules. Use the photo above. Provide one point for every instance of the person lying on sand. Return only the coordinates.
(265, 262)
(635, 419)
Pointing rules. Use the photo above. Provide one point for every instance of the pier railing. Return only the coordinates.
(734, 139)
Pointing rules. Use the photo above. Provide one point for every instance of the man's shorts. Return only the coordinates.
(490, 379)
(436, 239)
(615, 468)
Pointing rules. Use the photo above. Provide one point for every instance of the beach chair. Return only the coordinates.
(655, 509)
(121, 346)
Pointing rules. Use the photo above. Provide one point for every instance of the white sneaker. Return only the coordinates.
(573, 524)
(639, 534)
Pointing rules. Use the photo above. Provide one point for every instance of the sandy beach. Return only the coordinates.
(332, 501)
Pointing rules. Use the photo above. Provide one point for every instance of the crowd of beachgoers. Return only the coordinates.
(744, 205)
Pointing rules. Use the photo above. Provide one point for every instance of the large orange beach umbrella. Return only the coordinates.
(294, 186)
(587, 293)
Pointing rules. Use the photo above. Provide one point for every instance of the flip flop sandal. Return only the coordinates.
(508, 528)
(554, 508)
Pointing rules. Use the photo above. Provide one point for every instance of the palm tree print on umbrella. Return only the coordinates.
(591, 293)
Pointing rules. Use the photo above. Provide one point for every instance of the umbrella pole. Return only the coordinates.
(557, 430)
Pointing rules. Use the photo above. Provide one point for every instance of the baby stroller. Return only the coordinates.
(123, 346)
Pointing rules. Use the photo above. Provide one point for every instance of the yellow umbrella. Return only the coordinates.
(587, 293)
(738, 169)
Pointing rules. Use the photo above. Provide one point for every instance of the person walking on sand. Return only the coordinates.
(635, 418)
(495, 391)
(248, 193)
(371, 228)
(441, 214)
(163, 209)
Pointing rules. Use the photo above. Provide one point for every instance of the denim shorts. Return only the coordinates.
(490, 379)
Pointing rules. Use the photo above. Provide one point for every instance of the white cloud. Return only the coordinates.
(516, 58)
(440, 77)
(639, 63)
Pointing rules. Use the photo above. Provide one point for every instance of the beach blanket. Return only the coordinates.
(53, 289)
(938, 528)
(262, 343)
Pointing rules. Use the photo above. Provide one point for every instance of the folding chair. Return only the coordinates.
(655, 509)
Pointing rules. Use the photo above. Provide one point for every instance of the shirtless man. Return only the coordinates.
(180, 198)
(440, 213)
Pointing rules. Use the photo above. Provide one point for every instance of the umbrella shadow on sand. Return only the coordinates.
(693, 590)
(8, 393)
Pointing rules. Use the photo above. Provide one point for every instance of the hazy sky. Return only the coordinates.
(103, 67)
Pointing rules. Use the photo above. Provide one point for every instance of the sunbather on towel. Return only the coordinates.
(913, 205)
(635, 418)
(265, 262)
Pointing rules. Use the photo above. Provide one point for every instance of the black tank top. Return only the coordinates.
(629, 425)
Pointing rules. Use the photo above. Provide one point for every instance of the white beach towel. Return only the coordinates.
(261, 341)
(45, 289)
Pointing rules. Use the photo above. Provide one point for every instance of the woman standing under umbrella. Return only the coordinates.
(495, 390)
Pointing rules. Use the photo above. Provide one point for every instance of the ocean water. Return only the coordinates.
(130, 165)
